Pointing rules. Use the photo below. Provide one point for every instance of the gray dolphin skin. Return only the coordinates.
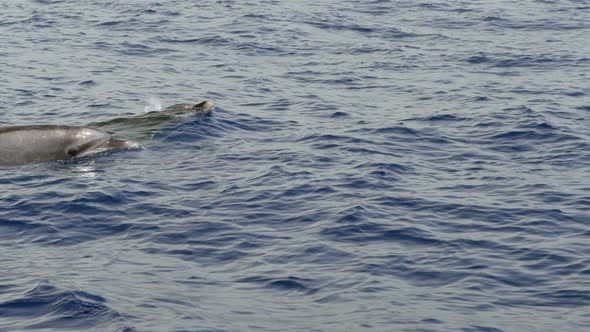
(21, 145)
(29, 144)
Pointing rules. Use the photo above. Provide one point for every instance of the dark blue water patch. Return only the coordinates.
(362, 229)
(198, 234)
(163, 10)
(220, 122)
(316, 254)
(481, 99)
(149, 11)
(116, 23)
(288, 284)
(339, 114)
(512, 279)
(523, 61)
(573, 298)
(211, 40)
(373, 8)
(477, 59)
(332, 138)
(371, 50)
(133, 49)
(55, 308)
(442, 117)
(142, 50)
(479, 328)
(492, 18)
(516, 128)
(390, 171)
(401, 131)
(432, 278)
(385, 32)
(300, 190)
(48, 2)
(575, 94)
(39, 20)
(431, 321)
(469, 244)
(570, 298)
(17, 228)
(486, 218)
(260, 49)
(200, 255)
(515, 61)
(356, 28)
(529, 136)
(87, 219)
(547, 24)
(88, 83)
(200, 127)
(439, 6)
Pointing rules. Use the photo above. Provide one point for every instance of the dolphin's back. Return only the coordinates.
(28, 144)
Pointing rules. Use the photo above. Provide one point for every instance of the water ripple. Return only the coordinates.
(369, 165)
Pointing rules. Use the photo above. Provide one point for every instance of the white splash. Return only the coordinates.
(153, 104)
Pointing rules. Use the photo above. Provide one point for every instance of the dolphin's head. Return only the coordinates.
(85, 139)
(184, 110)
(21, 145)
(203, 107)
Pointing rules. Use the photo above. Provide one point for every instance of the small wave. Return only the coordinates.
(529, 136)
(537, 60)
(206, 40)
(132, 49)
(360, 232)
(115, 23)
(440, 118)
(400, 130)
(288, 284)
(51, 307)
(88, 83)
(23, 230)
(538, 25)
(48, 2)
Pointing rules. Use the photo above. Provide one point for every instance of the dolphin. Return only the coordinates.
(144, 126)
(21, 145)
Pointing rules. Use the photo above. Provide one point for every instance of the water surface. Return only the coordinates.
(370, 166)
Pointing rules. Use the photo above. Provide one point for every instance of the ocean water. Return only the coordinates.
(371, 165)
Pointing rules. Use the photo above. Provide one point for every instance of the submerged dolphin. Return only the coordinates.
(37, 143)
(142, 127)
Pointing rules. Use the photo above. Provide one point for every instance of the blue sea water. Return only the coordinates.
(371, 165)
